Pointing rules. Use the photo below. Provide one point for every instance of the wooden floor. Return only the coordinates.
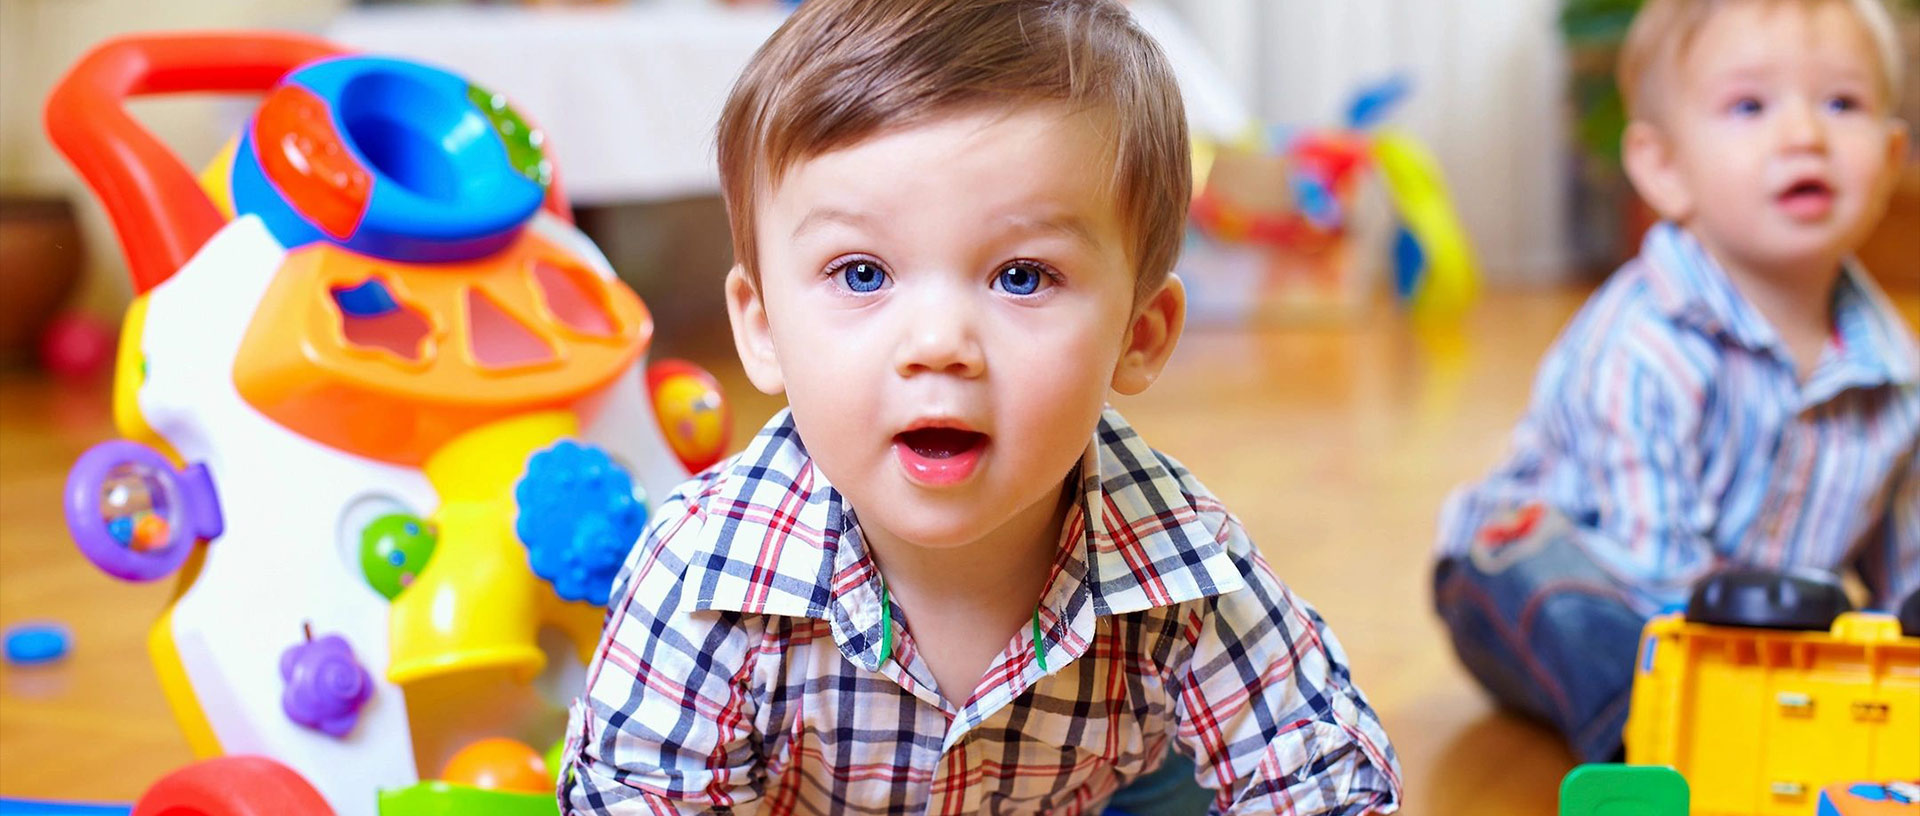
(1334, 444)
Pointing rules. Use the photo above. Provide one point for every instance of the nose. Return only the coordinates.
(941, 336)
(1802, 128)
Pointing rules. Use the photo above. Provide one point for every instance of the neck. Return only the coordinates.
(1007, 567)
(1795, 297)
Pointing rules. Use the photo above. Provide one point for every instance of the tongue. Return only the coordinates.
(940, 443)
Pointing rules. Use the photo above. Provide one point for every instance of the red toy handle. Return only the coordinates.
(157, 207)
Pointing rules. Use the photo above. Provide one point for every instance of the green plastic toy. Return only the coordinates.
(1623, 790)
(444, 799)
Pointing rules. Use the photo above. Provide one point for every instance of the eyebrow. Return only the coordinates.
(1748, 72)
(1066, 224)
(821, 216)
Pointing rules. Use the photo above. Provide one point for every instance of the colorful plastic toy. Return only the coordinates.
(35, 643)
(1623, 790)
(1766, 689)
(499, 764)
(41, 807)
(1871, 799)
(1297, 195)
(358, 341)
(76, 347)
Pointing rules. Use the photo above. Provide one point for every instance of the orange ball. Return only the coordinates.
(499, 764)
(150, 532)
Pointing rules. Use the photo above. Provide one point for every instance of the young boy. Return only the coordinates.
(1740, 394)
(945, 580)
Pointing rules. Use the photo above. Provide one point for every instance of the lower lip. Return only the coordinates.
(938, 472)
(1807, 206)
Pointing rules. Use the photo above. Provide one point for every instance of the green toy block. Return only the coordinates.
(1623, 790)
(443, 799)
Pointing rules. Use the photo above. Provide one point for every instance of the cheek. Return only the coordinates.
(1059, 375)
(1866, 155)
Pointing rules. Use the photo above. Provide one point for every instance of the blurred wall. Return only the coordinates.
(41, 39)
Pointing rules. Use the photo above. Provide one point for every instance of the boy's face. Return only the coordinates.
(1774, 142)
(946, 306)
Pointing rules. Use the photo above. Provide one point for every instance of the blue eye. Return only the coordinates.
(1021, 279)
(862, 276)
(1746, 106)
(1843, 104)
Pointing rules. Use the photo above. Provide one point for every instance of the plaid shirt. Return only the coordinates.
(742, 667)
(1670, 422)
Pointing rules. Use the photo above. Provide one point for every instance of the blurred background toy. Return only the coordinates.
(30, 644)
(1293, 223)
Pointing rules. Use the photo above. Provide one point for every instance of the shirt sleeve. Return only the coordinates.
(1268, 711)
(666, 724)
(1890, 564)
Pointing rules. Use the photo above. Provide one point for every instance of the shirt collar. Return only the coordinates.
(779, 540)
(1873, 341)
(1690, 286)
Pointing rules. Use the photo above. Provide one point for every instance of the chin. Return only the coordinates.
(932, 534)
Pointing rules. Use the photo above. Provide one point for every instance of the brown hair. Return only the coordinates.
(840, 71)
(1663, 30)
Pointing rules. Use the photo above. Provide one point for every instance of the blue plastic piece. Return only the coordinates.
(33, 643)
(370, 299)
(443, 186)
(1280, 137)
(1315, 201)
(1409, 260)
(121, 529)
(1871, 793)
(1876, 792)
(578, 518)
(1374, 102)
(39, 807)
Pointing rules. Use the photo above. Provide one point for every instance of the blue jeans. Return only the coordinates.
(1546, 631)
(1169, 790)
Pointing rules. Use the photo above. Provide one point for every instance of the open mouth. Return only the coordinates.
(1807, 198)
(939, 456)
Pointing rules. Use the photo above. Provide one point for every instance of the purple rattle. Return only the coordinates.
(135, 515)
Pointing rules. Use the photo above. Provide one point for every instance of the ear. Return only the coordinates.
(1150, 339)
(752, 334)
(1898, 135)
(1650, 164)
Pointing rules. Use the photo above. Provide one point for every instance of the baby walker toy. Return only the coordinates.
(387, 420)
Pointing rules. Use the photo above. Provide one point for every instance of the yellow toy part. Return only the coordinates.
(692, 412)
(1413, 179)
(217, 179)
(174, 681)
(476, 605)
(1759, 720)
(129, 374)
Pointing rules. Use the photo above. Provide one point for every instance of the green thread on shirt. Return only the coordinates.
(1039, 644)
(886, 623)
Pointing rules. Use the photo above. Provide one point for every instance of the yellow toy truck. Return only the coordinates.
(1769, 688)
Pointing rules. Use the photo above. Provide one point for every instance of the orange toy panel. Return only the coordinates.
(390, 360)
